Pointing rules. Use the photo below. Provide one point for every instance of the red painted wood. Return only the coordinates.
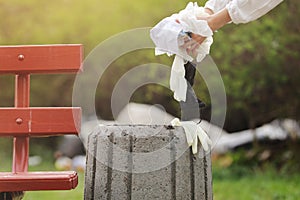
(39, 121)
(20, 154)
(21, 144)
(22, 90)
(32, 181)
(23, 122)
(40, 59)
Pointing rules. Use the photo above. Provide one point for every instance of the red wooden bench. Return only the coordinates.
(23, 122)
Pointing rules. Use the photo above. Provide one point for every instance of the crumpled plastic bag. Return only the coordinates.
(193, 132)
(178, 83)
(166, 35)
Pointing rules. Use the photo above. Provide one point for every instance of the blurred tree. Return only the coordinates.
(260, 67)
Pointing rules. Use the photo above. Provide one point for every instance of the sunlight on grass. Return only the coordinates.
(257, 187)
(246, 182)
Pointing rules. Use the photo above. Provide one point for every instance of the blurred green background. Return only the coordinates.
(259, 63)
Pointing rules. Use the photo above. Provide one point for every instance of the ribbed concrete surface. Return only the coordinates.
(145, 162)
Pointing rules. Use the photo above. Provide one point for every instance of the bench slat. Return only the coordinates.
(40, 59)
(39, 121)
(32, 181)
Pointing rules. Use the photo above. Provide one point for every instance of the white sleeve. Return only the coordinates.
(244, 11)
(216, 5)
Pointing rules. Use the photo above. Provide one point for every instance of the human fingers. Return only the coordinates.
(198, 38)
(194, 47)
(187, 44)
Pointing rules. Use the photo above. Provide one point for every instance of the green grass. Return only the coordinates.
(265, 186)
(238, 177)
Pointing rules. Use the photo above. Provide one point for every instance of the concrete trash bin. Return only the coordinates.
(145, 162)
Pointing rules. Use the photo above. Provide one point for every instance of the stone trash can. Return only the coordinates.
(145, 162)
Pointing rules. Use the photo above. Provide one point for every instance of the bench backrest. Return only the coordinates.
(40, 59)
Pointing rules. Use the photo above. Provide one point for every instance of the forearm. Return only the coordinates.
(215, 21)
(219, 19)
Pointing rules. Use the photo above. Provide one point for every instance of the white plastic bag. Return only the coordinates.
(166, 37)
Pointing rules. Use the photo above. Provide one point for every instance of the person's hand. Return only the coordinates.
(192, 44)
(188, 44)
(198, 38)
